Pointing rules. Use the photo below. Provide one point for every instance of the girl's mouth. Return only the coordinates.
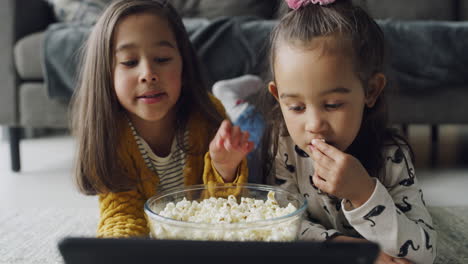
(312, 147)
(320, 139)
(152, 98)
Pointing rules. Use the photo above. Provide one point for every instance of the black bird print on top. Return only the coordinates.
(405, 247)
(422, 197)
(410, 180)
(428, 238)
(300, 152)
(279, 181)
(404, 207)
(311, 180)
(289, 167)
(328, 236)
(376, 211)
(338, 205)
(398, 156)
(424, 223)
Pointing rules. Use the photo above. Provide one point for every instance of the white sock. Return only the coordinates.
(233, 92)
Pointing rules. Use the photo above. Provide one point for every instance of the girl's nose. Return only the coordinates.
(149, 75)
(149, 78)
(315, 122)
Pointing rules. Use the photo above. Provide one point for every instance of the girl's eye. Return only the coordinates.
(162, 60)
(296, 108)
(333, 106)
(129, 63)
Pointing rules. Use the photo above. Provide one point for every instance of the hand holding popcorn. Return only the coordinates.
(340, 174)
(228, 148)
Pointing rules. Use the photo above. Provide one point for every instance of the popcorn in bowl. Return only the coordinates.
(256, 213)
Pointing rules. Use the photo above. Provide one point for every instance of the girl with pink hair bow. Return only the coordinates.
(327, 135)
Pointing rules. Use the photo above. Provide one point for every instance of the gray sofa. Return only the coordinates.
(24, 100)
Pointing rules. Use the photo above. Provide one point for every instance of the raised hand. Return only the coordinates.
(228, 148)
(340, 174)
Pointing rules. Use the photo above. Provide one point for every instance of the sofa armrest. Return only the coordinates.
(19, 18)
(8, 107)
(463, 9)
(31, 16)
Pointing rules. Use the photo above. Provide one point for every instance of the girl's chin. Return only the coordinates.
(149, 118)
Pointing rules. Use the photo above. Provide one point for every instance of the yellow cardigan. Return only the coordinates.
(122, 213)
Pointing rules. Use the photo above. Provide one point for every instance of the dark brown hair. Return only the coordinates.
(357, 34)
(96, 110)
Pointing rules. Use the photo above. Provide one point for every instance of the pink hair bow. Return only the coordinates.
(296, 4)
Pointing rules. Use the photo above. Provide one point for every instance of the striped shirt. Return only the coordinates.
(170, 168)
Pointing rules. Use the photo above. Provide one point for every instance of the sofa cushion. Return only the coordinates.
(28, 56)
(38, 110)
(463, 11)
(265, 9)
(411, 10)
(88, 11)
(78, 10)
(448, 106)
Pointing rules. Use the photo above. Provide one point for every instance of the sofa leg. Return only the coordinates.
(404, 130)
(15, 135)
(434, 144)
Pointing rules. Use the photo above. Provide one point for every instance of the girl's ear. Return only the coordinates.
(376, 85)
(273, 89)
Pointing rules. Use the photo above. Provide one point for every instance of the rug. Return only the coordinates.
(451, 224)
(31, 236)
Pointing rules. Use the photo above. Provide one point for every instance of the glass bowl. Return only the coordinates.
(283, 228)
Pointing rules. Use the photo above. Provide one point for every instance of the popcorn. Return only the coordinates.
(228, 220)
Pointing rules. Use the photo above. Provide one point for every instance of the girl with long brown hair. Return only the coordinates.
(142, 116)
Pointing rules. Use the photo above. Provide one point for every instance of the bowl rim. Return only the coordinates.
(260, 223)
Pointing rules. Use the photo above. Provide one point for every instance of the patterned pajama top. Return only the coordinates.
(395, 216)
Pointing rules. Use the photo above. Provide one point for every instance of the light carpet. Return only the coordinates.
(31, 236)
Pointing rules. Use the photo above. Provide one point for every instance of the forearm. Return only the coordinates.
(398, 235)
(211, 174)
(311, 231)
(122, 215)
(228, 174)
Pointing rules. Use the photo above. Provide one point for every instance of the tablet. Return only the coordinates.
(140, 250)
